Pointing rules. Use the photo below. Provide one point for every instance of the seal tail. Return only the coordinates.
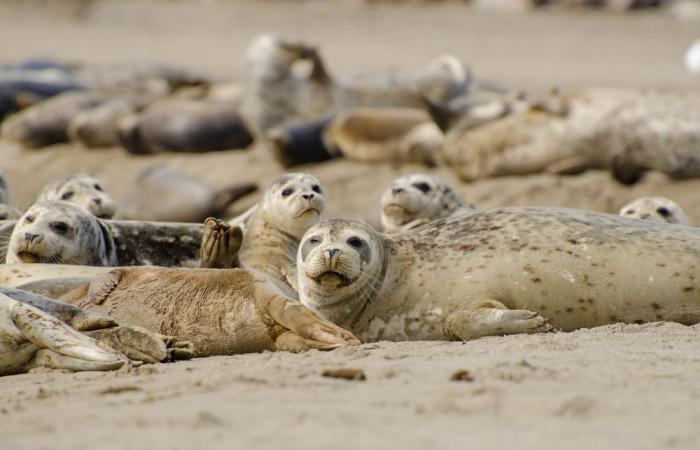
(229, 195)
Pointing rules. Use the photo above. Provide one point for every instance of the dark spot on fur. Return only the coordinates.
(661, 264)
(656, 306)
(688, 288)
(613, 318)
(536, 280)
(569, 309)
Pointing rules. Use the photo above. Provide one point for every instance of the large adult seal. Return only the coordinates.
(222, 312)
(500, 271)
(66, 233)
(83, 190)
(659, 209)
(417, 199)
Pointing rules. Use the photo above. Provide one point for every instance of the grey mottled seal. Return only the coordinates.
(83, 190)
(655, 208)
(414, 200)
(222, 312)
(500, 271)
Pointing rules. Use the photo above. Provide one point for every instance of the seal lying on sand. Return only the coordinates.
(414, 200)
(222, 312)
(300, 143)
(655, 208)
(62, 232)
(500, 271)
(291, 205)
(163, 194)
(184, 126)
(82, 190)
(277, 95)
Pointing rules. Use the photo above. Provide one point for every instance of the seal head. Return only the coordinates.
(659, 209)
(82, 190)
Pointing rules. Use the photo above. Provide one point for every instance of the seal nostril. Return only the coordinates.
(308, 196)
(397, 190)
(30, 236)
(97, 201)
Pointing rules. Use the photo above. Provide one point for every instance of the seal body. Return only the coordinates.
(500, 271)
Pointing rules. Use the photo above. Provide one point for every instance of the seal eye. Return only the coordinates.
(67, 195)
(315, 240)
(630, 211)
(59, 227)
(355, 242)
(423, 187)
(664, 212)
(316, 188)
(98, 187)
(287, 192)
(29, 219)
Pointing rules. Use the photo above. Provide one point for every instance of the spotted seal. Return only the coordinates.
(417, 199)
(655, 208)
(500, 271)
(83, 190)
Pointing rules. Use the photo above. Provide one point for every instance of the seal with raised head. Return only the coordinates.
(65, 233)
(164, 194)
(222, 312)
(82, 190)
(414, 200)
(500, 271)
(659, 209)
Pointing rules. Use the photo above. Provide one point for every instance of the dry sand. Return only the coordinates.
(616, 387)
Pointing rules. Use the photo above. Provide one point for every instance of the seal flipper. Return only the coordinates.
(492, 318)
(47, 332)
(102, 286)
(220, 244)
(52, 360)
(311, 329)
(289, 341)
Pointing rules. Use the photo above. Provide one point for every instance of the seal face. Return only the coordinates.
(82, 190)
(659, 209)
(60, 232)
(414, 200)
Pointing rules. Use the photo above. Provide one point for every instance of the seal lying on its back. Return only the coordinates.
(500, 271)
(655, 208)
(82, 190)
(414, 200)
(222, 312)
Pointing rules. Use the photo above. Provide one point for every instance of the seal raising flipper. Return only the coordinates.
(220, 244)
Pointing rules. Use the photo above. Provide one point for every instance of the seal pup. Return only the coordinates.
(179, 125)
(46, 123)
(222, 312)
(291, 204)
(82, 190)
(655, 208)
(414, 200)
(60, 232)
(499, 271)
(163, 194)
(399, 135)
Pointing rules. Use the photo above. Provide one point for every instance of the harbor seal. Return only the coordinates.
(655, 208)
(62, 232)
(291, 204)
(166, 195)
(9, 212)
(414, 200)
(500, 271)
(222, 312)
(300, 143)
(179, 125)
(82, 190)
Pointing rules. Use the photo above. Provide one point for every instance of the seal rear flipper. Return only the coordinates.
(220, 244)
(492, 318)
(305, 323)
(46, 358)
(46, 331)
(137, 343)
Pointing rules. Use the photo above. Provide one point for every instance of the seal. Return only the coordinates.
(291, 204)
(499, 271)
(82, 190)
(222, 312)
(414, 200)
(4, 190)
(179, 125)
(49, 337)
(398, 135)
(63, 232)
(655, 208)
(163, 194)
(9, 212)
(300, 143)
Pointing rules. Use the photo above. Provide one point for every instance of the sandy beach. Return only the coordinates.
(619, 386)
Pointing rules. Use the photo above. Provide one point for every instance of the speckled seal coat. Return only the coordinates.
(500, 271)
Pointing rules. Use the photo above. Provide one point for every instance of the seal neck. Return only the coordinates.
(267, 248)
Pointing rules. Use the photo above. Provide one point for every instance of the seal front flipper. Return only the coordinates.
(492, 318)
(47, 332)
(220, 244)
(311, 329)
